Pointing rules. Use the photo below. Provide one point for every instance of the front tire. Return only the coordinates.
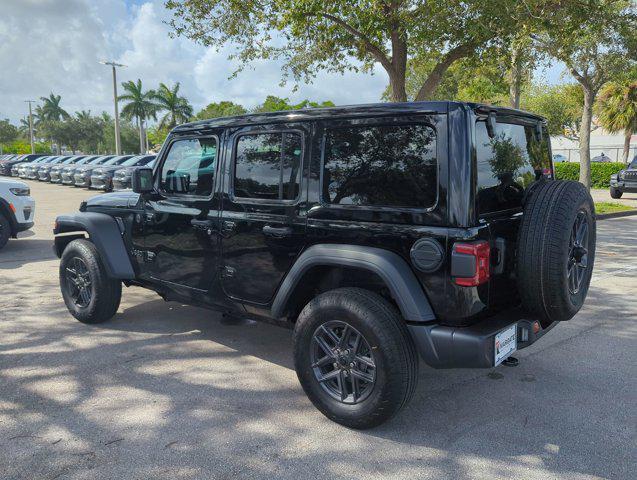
(89, 294)
(5, 231)
(615, 193)
(354, 357)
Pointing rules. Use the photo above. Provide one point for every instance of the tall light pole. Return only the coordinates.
(31, 125)
(118, 142)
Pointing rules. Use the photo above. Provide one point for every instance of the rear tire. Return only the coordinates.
(89, 294)
(376, 334)
(615, 193)
(5, 231)
(556, 250)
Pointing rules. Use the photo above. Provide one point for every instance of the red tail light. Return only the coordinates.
(481, 251)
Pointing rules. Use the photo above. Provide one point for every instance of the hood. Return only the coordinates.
(114, 200)
(12, 183)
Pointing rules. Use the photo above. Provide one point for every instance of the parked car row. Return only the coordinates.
(101, 172)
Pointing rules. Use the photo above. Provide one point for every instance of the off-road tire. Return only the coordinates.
(544, 250)
(393, 350)
(5, 231)
(615, 193)
(106, 293)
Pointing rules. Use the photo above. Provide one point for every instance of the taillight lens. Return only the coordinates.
(481, 251)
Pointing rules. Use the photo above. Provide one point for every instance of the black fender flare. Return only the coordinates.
(8, 213)
(389, 266)
(105, 234)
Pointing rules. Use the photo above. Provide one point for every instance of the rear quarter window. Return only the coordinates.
(380, 165)
(508, 164)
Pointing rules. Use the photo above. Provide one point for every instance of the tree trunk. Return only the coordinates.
(585, 137)
(628, 133)
(141, 135)
(515, 79)
(397, 85)
(435, 77)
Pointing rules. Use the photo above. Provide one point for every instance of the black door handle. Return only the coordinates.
(277, 232)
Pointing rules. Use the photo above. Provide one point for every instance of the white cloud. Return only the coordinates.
(55, 45)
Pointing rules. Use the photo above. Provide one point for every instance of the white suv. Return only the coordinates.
(17, 209)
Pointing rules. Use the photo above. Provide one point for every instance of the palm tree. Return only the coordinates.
(83, 115)
(51, 109)
(178, 110)
(141, 105)
(617, 109)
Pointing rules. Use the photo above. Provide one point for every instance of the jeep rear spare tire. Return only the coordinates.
(556, 250)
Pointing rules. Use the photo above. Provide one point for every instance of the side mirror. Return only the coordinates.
(142, 180)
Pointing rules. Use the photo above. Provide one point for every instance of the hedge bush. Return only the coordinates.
(600, 172)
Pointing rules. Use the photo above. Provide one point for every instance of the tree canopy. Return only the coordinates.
(311, 36)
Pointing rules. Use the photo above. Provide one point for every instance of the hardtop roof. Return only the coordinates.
(347, 111)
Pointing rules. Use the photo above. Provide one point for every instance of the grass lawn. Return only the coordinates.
(609, 207)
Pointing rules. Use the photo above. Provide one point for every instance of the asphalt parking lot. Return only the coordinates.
(168, 391)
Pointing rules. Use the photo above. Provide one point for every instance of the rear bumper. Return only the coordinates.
(473, 346)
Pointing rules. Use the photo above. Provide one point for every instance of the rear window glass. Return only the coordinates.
(508, 164)
(392, 165)
(268, 166)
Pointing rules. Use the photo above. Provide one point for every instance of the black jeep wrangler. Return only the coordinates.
(380, 233)
(624, 181)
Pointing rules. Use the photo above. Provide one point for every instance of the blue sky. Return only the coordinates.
(55, 46)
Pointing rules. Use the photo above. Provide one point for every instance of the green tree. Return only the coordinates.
(157, 136)
(310, 36)
(277, 104)
(480, 79)
(594, 40)
(177, 108)
(8, 133)
(617, 110)
(141, 106)
(51, 109)
(224, 108)
(561, 105)
(91, 130)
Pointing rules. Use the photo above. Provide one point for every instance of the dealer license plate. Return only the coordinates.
(506, 342)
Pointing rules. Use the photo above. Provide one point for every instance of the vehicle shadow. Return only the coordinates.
(203, 396)
(20, 251)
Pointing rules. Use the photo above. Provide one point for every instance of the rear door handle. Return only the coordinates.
(277, 232)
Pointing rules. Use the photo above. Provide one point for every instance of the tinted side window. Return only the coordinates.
(392, 165)
(189, 168)
(508, 164)
(267, 166)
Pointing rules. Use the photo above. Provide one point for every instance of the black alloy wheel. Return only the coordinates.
(343, 362)
(578, 253)
(79, 282)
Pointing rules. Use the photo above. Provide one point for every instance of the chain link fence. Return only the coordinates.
(616, 154)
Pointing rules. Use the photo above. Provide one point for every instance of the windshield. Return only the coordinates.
(101, 160)
(633, 164)
(71, 160)
(132, 161)
(117, 160)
